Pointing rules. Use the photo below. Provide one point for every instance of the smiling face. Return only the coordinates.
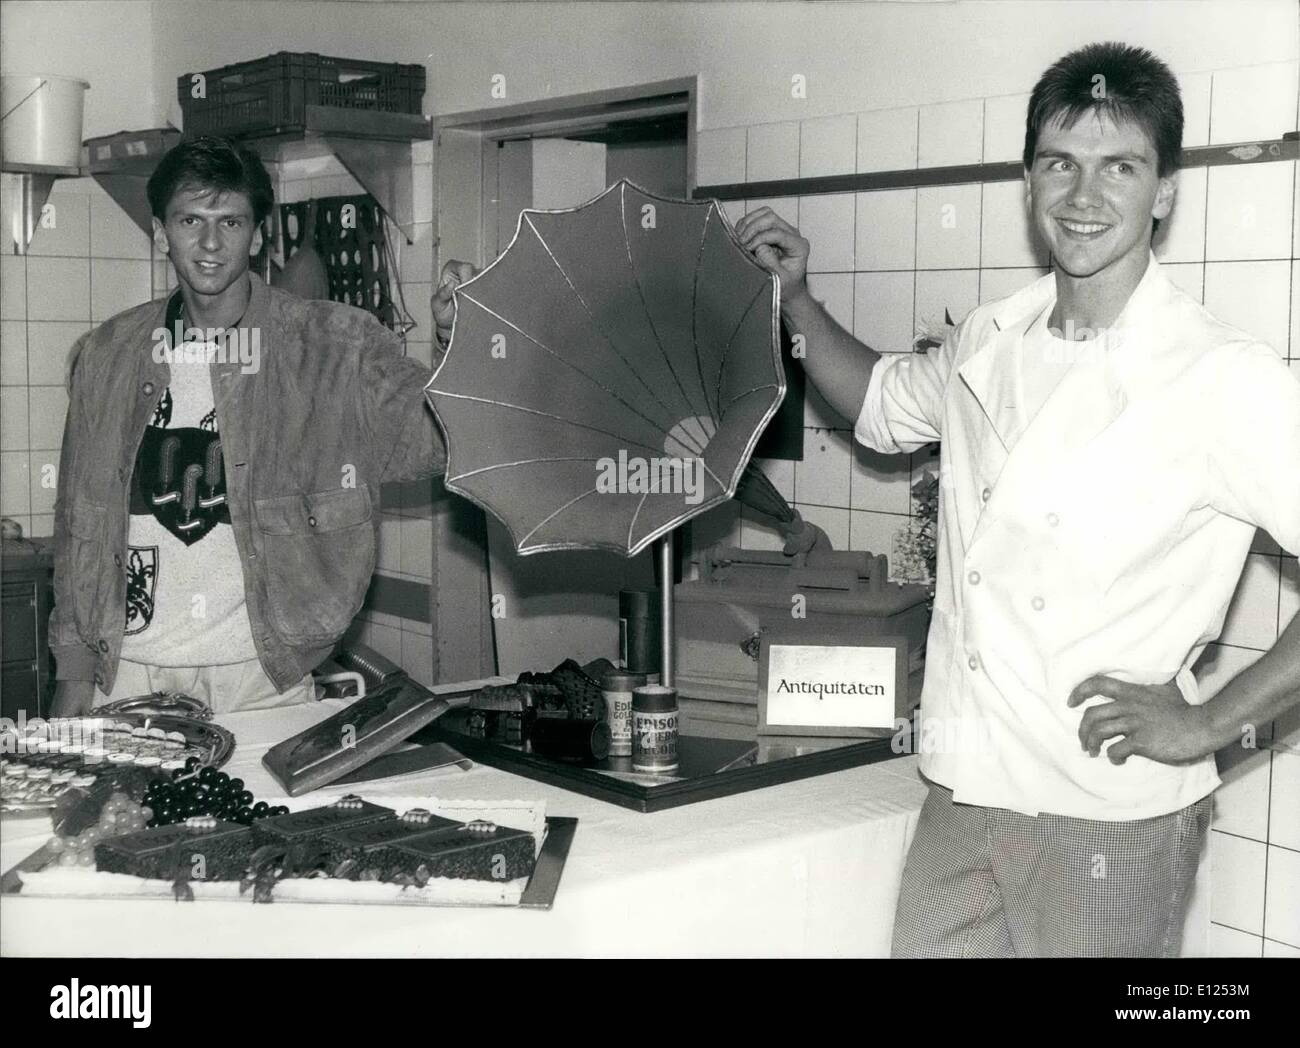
(208, 235)
(1092, 192)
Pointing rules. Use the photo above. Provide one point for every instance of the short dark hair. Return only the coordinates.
(213, 163)
(1135, 86)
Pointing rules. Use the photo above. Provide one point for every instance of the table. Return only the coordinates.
(809, 868)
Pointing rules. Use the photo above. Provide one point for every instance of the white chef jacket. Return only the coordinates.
(1105, 535)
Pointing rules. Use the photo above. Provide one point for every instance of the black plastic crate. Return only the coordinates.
(273, 93)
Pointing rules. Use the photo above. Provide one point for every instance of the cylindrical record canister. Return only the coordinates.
(638, 632)
(584, 741)
(654, 728)
(617, 687)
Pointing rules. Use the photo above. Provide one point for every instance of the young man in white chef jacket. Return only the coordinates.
(1108, 449)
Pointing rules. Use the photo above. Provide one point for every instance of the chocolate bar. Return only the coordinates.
(359, 843)
(480, 851)
(302, 825)
(161, 853)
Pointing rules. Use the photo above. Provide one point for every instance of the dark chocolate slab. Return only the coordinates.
(313, 822)
(158, 852)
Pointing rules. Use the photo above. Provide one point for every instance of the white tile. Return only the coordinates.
(1004, 127)
(883, 311)
(786, 207)
(887, 139)
(940, 292)
(823, 475)
(423, 202)
(1006, 236)
(1241, 803)
(386, 640)
(63, 228)
(734, 210)
(416, 262)
(13, 288)
(1249, 212)
(781, 473)
(951, 133)
(1278, 949)
(1228, 942)
(826, 222)
(389, 553)
(880, 483)
(113, 234)
(1295, 217)
(13, 418)
(15, 490)
(835, 522)
(1294, 331)
(43, 468)
(948, 227)
(886, 229)
(1252, 615)
(875, 532)
(835, 292)
(117, 285)
(817, 414)
(772, 152)
(418, 296)
(13, 353)
(828, 146)
(1282, 905)
(1253, 103)
(999, 283)
(1254, 296)
(49, 407)
(1181, 236)
(1195, 89)
(1237, 873)
(1284, 801)
(58, 288)
(757, 532)
(720, 156)
(417, 656)
(48, 344)
(417, 547)
(1189, 276)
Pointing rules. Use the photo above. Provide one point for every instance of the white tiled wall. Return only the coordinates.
(895, 258)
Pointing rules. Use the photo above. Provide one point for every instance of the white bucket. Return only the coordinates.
(40, 120)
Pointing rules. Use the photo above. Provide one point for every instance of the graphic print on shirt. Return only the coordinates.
(179, 476)
(141, 581)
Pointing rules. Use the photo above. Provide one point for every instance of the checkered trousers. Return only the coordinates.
(987, 882)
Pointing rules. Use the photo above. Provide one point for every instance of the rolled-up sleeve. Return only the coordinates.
(903, 408)
(1254, 449)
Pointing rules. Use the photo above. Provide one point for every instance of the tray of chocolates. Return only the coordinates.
(41, 760)
(404, 851)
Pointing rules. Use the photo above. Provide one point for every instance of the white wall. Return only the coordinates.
(855, 56)
(108, 44)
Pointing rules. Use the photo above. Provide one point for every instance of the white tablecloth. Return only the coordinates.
(808, 868)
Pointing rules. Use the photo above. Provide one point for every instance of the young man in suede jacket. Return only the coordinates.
(219, 479)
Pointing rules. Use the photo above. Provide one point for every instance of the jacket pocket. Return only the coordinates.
(318, 554)
(85, 564)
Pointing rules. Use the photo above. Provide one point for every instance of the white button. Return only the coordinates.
(986, 494)
(1038, 603)
(974, 663)
(974, 578)
(1053, 519)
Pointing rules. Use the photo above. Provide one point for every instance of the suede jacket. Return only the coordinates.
(313, 420)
